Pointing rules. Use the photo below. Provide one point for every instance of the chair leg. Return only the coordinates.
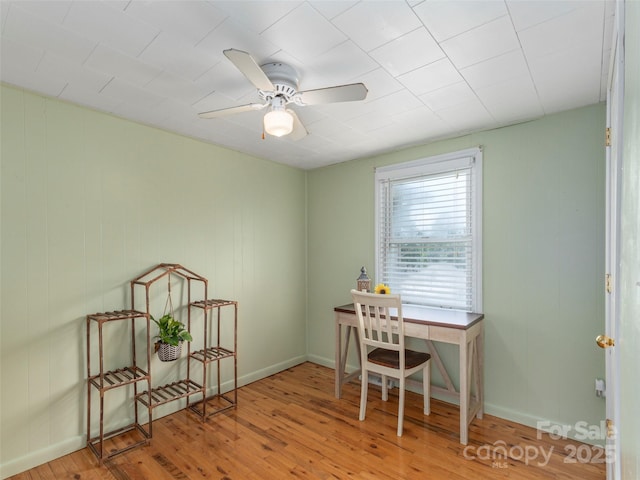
(363, 393)
(401, 405)
(385, 388)
(426, 387)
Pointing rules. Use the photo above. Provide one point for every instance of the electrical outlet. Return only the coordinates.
(601, 389)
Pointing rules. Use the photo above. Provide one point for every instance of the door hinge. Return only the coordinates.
(607, 137)
(607, 283)
(611, 429)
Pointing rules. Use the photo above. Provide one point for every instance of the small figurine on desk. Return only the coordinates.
(364, 282)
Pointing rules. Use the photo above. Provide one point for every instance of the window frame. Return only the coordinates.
(432, 165)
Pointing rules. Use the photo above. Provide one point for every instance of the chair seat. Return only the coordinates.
(391, 358)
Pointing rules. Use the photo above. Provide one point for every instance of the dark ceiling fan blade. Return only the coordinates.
(250, 69)
(341, 93)
(232, 110)
(299, 131)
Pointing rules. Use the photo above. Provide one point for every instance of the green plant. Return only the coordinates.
(171, 331)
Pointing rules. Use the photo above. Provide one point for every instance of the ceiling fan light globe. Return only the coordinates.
(278, 123)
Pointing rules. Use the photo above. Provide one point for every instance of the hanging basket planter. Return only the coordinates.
(168, 353)
(171, 335)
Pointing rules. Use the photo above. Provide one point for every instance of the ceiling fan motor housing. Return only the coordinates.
(284, 79)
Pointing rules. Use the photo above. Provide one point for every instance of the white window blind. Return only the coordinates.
(428, 231)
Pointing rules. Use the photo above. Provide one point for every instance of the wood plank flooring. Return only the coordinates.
(290, 425)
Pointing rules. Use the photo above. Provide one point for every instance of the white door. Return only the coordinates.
(612, 262)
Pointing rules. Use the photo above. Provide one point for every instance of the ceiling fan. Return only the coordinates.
(277, 85)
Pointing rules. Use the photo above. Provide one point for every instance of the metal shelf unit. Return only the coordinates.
(104, 381)
(134, 374)
(216, 352)
(181, 388)
(169, 393)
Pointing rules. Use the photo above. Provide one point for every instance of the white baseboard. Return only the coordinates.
(574, 432)
(541, 424)
(70, 445)
(322, 361)
(41, 456)
(270, 370)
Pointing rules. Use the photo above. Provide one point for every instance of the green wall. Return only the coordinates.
(543, 239)
(89, 202)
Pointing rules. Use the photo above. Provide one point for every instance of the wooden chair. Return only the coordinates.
(382, 349)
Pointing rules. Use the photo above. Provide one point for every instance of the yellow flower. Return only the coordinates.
(382, 289)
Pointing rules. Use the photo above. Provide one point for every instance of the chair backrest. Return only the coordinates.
(380, 322)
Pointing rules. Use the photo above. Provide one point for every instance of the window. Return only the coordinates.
(429, 230)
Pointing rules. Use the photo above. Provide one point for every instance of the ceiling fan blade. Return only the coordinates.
(250, 69)
(232, 110)
(342, 93)
(299, 131)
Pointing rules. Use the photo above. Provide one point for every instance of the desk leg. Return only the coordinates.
(475, 357)
(479, 372)
(339, 369)
(465, 377)
(343, 359)
(341, 354)
(471, 367)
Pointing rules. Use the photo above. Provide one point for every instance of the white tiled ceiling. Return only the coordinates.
(434, 68)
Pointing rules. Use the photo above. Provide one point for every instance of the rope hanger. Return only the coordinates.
(169, 303)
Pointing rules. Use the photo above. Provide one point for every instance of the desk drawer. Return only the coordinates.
(446, 335)
(417, 330)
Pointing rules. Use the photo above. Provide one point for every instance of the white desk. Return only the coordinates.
(430, 324)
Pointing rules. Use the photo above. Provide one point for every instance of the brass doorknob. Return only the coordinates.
(604, 342)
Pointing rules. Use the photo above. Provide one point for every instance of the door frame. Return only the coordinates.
(614, 120)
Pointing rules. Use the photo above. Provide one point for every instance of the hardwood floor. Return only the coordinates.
(290, 425)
